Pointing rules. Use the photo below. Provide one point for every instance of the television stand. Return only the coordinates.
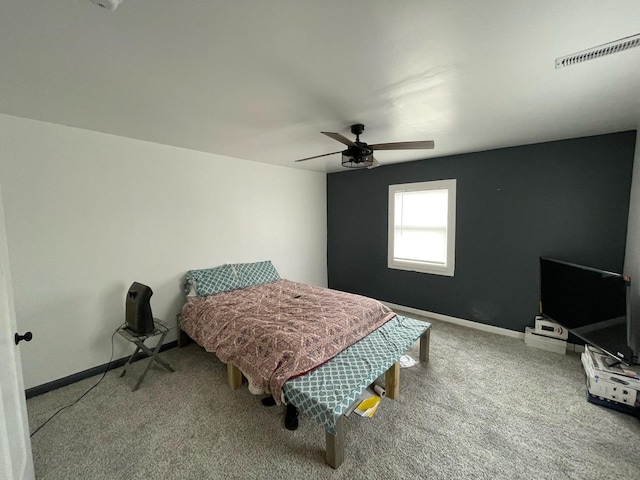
(139, 340)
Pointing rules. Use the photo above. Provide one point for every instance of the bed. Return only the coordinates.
(313, 347)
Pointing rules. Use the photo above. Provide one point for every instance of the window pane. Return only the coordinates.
(421, 226)
(423, 245)
(422, 208)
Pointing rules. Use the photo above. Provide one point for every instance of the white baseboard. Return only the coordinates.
(471, 324)
(458, 321)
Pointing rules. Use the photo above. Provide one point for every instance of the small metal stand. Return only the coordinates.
(139, 340)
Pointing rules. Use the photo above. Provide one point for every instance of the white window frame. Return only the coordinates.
(421, 266)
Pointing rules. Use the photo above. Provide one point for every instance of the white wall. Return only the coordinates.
(632, 254)
(87, 214)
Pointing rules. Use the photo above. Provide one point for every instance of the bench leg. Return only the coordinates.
(424, 345)
(392, 381)
(335, 445)
(234, 376)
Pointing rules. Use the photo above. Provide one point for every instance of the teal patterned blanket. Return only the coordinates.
(328, 391)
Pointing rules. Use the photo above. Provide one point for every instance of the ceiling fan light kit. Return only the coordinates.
(357, 161)
(359, 154)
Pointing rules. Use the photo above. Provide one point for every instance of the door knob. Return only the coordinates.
(26, 337)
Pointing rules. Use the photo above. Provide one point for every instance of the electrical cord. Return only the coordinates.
(91, 388)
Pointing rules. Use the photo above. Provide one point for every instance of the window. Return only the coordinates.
(422, 226)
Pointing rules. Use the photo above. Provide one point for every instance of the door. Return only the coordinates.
(15, 445)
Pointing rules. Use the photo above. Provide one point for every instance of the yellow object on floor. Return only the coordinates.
(368, 406)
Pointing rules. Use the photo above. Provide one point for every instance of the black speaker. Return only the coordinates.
(139, 318)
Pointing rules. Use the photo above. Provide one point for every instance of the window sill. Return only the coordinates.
(447, 271)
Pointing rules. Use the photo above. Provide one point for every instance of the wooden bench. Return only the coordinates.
(333, 420)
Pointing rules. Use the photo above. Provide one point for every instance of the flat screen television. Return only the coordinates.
(592, 304)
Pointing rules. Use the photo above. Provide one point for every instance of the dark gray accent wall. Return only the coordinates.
(566, 199)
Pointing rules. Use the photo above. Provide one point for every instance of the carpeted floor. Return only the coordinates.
(485, 406)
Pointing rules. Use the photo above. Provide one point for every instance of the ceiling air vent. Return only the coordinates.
(599, 51)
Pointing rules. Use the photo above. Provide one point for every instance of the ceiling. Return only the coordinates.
(259, 80)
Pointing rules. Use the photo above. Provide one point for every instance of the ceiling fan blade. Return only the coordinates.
(340, 138)
(426, 144)
(317, 156)
(375, 164)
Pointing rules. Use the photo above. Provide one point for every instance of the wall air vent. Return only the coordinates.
(599, 51)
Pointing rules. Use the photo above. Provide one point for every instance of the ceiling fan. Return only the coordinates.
(360, 155)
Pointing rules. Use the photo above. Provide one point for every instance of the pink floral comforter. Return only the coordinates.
(276, 331)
